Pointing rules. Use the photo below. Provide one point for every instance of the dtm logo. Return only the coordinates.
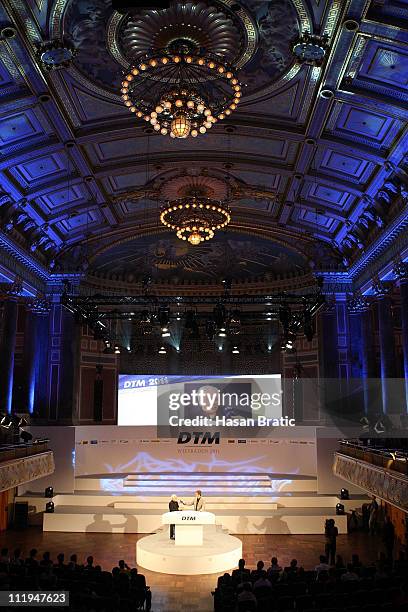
(188, 518)
(205, 437)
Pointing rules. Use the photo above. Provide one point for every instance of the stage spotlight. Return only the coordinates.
(165, 332)
(344, 494)
(49, 492)
(222, 332)
(22, 422)
(379, 427)
(117, 350)
(49, 507)
(340, 509)
(288, 341)
(6, 422)
(235, 350)
(26, 436)
(162, 350)
(365, 423)
(235, 323)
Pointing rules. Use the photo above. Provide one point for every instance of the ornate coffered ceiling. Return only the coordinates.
(314, 159)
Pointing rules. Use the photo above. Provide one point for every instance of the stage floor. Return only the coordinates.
(175, 593)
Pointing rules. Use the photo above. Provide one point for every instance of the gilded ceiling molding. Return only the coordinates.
(31, 28)
(390, 486)
(17, 259)
(95, 282)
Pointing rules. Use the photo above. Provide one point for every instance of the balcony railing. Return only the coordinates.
(22, 463)
(20, 450)
(388, 458)
(389, 485)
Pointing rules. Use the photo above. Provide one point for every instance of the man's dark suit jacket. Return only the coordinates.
(173, 506)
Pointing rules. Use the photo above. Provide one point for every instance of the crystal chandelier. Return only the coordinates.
(195, 219)
(181, 91)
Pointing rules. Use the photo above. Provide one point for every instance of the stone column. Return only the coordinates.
(33, 347)
(8, 345)
(41, 394)
(401, 272)
(361, 339)
(387, 345)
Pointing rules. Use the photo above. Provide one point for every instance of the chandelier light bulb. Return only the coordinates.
(182, 93)
(181, 126)
(194, 239)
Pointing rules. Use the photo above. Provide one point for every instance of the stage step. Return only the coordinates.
(194, 477)
(95, 519)
(210, 484)
(211, 506)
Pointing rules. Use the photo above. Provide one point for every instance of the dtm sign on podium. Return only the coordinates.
(189, 526)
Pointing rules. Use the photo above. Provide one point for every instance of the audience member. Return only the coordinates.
(331, 532)
(274, 569)
(389, 537)
(241, 575)
(246, 595)
(373, 516)
(16, 559)
(4, 556)
(31, 560)
(350, 574)
(322, 566)
(257, 573)
(301, 590)
(262, 581)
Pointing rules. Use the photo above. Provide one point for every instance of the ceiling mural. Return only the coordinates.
(108, 42)
(167, 258)
(313, 157)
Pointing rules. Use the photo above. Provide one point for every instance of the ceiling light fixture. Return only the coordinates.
(181, 91)
(195, 219)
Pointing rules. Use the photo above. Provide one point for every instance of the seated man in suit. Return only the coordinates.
(242, 574)
(197, 503)
(173, 507)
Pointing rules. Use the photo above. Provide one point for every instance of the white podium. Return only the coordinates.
(189, 526)
(193, 552)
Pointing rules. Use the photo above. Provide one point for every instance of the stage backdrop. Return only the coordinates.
(125, 450)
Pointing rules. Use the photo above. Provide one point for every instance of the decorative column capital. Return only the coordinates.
(401, 270)
(14, 289)
(39, 304)
(357, 303)
(381, 289)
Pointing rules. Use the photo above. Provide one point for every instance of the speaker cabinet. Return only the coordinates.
(20, 515)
